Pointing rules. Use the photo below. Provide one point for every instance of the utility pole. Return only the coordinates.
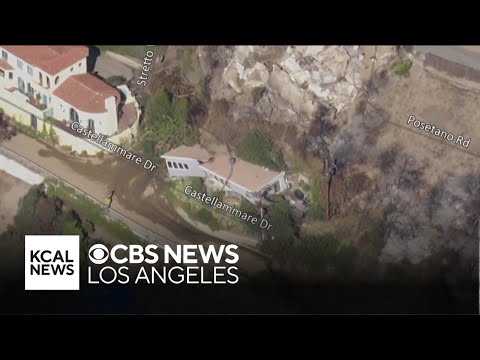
(261, 216)
(332, 171)
(109, 199)
(263, 193)
(328, 187)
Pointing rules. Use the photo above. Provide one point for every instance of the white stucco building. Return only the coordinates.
(238, 176)
(51, 83)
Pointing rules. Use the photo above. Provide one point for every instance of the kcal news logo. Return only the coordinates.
(52, 262)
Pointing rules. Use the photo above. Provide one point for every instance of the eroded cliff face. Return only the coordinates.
(313, 88)
(285, 84)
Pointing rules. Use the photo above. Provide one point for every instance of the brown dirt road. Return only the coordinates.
(436, 101)
(11, 190)
(129, 181)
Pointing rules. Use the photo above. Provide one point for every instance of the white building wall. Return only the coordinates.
(39, 83)
(110, 125)
(75, 69)
(282, 182)
(27, 78)
(127, 135)
(79, 67)
(23, 73)
(234, 187)
(15, 105)
(6, 82)
(78, 144)
(193, 167)
(104, 123)
(246, 193)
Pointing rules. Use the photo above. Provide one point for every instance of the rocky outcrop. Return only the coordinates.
(284, 84)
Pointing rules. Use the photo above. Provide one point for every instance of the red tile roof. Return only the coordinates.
(51, 59)
(5, 66)
(87, 93)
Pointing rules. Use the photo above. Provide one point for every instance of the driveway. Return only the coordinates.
(106, 67)
(465, 55)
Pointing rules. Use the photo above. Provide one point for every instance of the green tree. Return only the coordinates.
(148, 146)
(44, 133)
(218, 194)
(158, 110)
(167, 123)
(318, 252)
(27, 210)
(52, 135)
(70, 228)
(46, 216)
(281, 237)
(259, 148)
(316, 211)
(196, 183)
(205, 216)
(247, 206)
(402, 67)
(186, 133)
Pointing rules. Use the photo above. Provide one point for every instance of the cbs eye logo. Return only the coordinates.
(98, 254)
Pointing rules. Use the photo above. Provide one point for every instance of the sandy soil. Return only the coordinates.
(436, 101)
(129, 182)
(11, 191)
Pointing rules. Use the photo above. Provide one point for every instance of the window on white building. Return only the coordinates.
(79, 64)
(10, 75)
(186, 166)
(20, 64)
(57, 79)
(71, 69)
(90, 125)
(169, 164)
(73, 115)
(2, 73)
(180, 165)
(175, 165)
(276, 186)
(4, 55)
(29, 70)
(21, 85)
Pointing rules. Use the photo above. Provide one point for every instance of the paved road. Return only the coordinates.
(107, 66)
(98, 178)
(465, 55)
(18, 161)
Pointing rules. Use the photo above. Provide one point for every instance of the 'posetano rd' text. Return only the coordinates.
(459, 140)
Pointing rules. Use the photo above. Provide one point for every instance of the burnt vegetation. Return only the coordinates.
(387, 159)
(6, 130)
(471, 185)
